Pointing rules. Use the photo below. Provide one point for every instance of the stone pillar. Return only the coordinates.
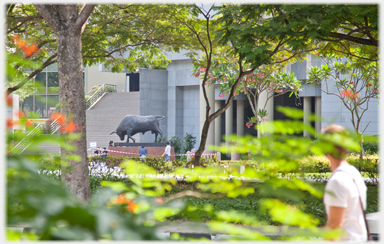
(307, 112)
(240, 118)
(235, 156)
(269, 107)
(211, 98)
(318, 113)
(228, 122)
(217, 124)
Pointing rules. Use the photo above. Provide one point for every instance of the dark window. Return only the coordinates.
(134, 82)
(41, 105)
(53, 83)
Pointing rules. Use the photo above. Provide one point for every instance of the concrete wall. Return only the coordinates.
(153, 99)
(332, 108)
(334, 111)
(183, 98)
(94, 77)
(191, 113)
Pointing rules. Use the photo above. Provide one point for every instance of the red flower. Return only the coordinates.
(9, 123)
(203, 69)
(346, 93)
(196, 75)
(60, 118)
(9, 101)
(20, 114)
(132, 207)
(28, 123)
(28, 50)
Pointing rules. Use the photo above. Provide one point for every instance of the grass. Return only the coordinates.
(250, 205)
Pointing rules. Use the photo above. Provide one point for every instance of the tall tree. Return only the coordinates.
(68, 23)
(145, 30)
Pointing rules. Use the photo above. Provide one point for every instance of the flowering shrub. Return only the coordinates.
(356, 82)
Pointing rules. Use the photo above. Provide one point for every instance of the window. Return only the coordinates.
(46, 97)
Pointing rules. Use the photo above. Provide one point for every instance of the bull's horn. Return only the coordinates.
(159, 117)
(113, 132)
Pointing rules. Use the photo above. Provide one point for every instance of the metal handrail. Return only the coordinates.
(54, 125)
(105, 88)
(23, 144)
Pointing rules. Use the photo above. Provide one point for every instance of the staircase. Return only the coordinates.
(55, 126)
(106, 114)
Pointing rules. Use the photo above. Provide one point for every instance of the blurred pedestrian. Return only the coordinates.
(143, 153)
(167, 152)
(345, 192)
(104, 153)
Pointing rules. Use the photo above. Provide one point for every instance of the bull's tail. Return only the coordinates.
(113, 132)
(159, 117)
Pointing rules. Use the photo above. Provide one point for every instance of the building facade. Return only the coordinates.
(176, 94)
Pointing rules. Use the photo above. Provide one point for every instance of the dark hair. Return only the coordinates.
(167, 143)
(142, 146)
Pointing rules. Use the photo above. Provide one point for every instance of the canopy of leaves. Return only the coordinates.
(338, 29)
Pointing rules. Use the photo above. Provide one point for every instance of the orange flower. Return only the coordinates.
(349, 94)
(70, 127)
(346, 93)
(60, 118)
(20, 114)
(15, 38)
(9, 101)
(132, 207)
(121, 199)
(30, 50)
(9, 123)
(28, 123)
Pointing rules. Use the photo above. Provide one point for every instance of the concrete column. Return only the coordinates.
(318, 113)
(307, 112)
(217, 124)
(211, 98)
(269, 107)
(240, 118)
(228, 122)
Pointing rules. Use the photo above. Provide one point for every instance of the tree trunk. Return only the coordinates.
(75, 175)
(68, 23)
(203, 140)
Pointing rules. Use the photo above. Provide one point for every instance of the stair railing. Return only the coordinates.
(26, 141)
(103, 89)
(24, 144)
(54, 125)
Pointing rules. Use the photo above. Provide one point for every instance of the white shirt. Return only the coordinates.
(341, 191)
(168, 150)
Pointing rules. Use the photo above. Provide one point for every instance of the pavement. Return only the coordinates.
(200, 230)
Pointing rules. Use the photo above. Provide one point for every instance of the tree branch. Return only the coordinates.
(47, 14)
(84, 15)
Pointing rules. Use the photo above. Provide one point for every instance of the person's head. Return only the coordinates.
(167, 143)
(142, 146)
(339, 153)
(104, 148)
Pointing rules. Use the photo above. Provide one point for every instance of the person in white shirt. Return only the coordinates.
(343, 193)
(167, 152)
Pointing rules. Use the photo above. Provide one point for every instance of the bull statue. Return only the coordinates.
(133, 124)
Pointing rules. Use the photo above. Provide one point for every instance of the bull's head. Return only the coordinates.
(121, 134)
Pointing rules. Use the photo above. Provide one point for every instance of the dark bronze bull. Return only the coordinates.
(133, 124)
